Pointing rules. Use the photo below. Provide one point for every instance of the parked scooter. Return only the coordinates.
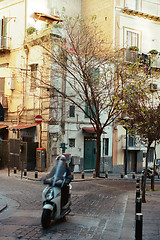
(52, 196)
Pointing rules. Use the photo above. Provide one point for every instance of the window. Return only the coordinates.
(3, 33)
(71, 142)
(33, 75)
(72, 111)
(105, 146)
(132, 39)
(2, 80)
(88, 111)
(134, 4)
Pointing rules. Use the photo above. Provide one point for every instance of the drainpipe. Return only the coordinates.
(20, 114)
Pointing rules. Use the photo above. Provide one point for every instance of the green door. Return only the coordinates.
(90, 153)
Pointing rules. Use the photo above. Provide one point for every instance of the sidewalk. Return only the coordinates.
(150, 209)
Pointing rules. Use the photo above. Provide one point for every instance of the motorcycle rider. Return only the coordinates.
(65, 189)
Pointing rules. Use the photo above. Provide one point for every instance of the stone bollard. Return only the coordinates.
(25, 172)
(94, 174)
(139, 226)
(137, 193)
(82, 175)
(106, 174)
(36, 174)
(138, 205)
(15, 170)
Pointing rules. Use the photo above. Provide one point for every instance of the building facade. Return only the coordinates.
(24, 25)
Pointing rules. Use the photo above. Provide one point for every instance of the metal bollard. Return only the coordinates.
(122, 175)
(36, 174)
(15, 170)
(139, 226)
(133, 175)
(138, 180)
(82, 175)
(137, 193)
(106, 174)
(94, 174)
(152, 182)
(138, 205)
(25, 172)
(137, 185)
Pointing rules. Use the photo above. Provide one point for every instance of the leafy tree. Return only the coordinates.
(143, 109)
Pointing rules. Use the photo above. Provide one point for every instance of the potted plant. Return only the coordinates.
(154, 52)
(134, 49)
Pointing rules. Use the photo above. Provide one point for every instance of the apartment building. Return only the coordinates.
(123, 24)
(126, 24)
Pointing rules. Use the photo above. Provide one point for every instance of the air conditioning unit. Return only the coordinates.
(153, 86)
(11, 83)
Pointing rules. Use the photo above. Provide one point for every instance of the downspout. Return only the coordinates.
(20, 114)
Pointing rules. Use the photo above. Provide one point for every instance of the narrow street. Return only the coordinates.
(98, 210)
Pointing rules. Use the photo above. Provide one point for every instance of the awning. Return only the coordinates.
(46, 18)
(90, 130)
(2, 127)
(21, 127)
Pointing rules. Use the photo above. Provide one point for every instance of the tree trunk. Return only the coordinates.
(145, 175)
(154, 164)
(98, 153)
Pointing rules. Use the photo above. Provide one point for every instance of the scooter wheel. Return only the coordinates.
(46, 218)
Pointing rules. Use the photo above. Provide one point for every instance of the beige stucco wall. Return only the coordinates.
(104, 12)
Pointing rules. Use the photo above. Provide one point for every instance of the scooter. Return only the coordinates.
(52, 197)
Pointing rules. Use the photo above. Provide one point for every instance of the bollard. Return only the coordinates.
(137, 193)
(36, 174)
(82, 175)
(122, 175)
(137, 185)
(25, 172)
(152, 182)
(133, 175)
(138, 180)
(138, 205)
(15, 170)
(139, 226)
(94, 174)
(106, 174)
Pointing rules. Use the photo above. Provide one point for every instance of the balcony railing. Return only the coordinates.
(134, 56)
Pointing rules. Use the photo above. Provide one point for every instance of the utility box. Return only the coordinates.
(40, 159)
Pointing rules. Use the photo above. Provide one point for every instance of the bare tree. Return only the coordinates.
(85, 65)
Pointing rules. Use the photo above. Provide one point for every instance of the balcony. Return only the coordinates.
(5, 44)
(134, 56)
(133, 144)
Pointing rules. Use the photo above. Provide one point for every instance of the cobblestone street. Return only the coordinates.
(101, 209)
(98, 210)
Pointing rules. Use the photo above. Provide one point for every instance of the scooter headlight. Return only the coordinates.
(49, 194)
